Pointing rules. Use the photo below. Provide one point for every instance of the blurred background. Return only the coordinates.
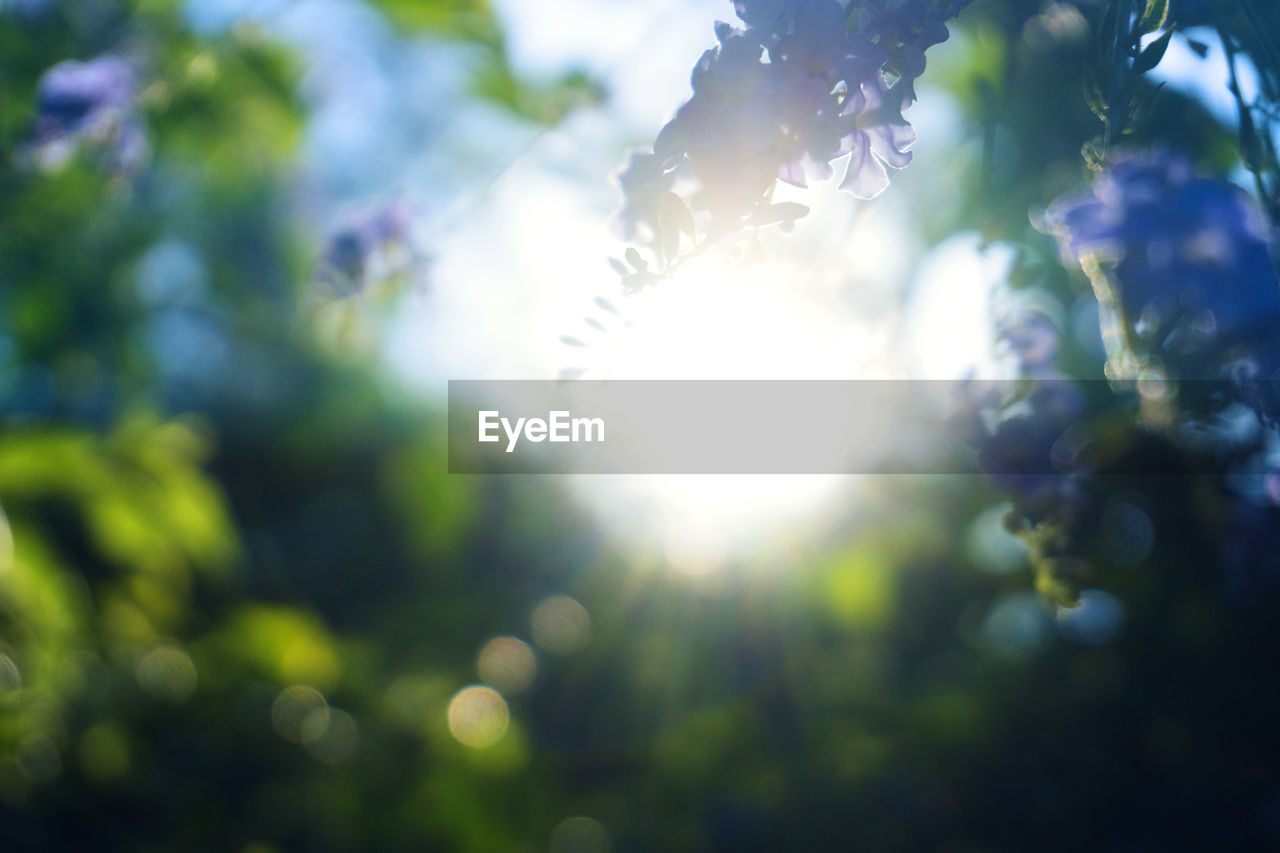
(243, 246)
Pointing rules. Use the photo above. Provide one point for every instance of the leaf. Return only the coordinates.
(1142, 104)
(1154, 16)
(618, 266)
(1094, 98)
(571, 341)
(1152, 54)
(674, 212)
(1201, 49)
(639, 281)
(670, 242)
(606, 305)
(783, 212)
(1106, 29)
(633, 258)
(594, 323)
(1251, 149)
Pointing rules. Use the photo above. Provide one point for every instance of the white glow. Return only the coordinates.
(951, 333)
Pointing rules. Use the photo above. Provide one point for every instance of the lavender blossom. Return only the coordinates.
(89, 104)
(371, 248)
(1186, 260)
(783, 98)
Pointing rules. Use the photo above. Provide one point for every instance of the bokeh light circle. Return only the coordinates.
(579, 834)
(300, 713)
(168, 673)
(478, 716)
(560, 625)
(507, 665)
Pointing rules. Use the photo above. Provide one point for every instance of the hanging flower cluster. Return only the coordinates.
(91, 106)
(1182, 268)
(1024, 435)
(1189, 301)
(801, 85)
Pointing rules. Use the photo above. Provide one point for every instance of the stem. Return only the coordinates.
(1260, 29)
(1246, 127)
(1112, 127)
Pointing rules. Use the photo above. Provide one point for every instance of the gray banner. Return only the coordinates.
(1013, 428)
(711, 427)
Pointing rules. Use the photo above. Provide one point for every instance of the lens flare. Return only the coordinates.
(560, 625)
(507, 664)
(478, 716)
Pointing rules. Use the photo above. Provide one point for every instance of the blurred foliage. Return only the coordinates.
(239, 595)
(495, 80)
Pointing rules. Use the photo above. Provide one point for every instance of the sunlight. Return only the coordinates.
(720, 318)
(826, 301)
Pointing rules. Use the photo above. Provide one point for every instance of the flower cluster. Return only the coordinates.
(1182, 268)
(1189, 298)
(373, 247)
(90, 105)
(802, 84)
(1024, 434)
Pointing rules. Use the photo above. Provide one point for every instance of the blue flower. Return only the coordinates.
(907, 28)
(1023, 438)
(89, 103)
(784, 97)
(644, 181)
(1191, 279)
(373, 247)
(1033, 339)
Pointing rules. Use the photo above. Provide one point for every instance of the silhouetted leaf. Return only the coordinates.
(1152, 54)
(673, 211)
(639, 281)
(634, 258)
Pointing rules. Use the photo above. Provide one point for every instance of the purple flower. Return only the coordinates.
(644, 181)
(1033, 339)
(1023, 439)
(1191, 278)
(907, 28)
(785, 97)
(1183, 270)
(728, 129)
(89, 103)
(374, 246)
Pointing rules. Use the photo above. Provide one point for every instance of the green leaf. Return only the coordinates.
(1152, 54)
(1094, 97)
(1154, 16)
(1141, 106)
